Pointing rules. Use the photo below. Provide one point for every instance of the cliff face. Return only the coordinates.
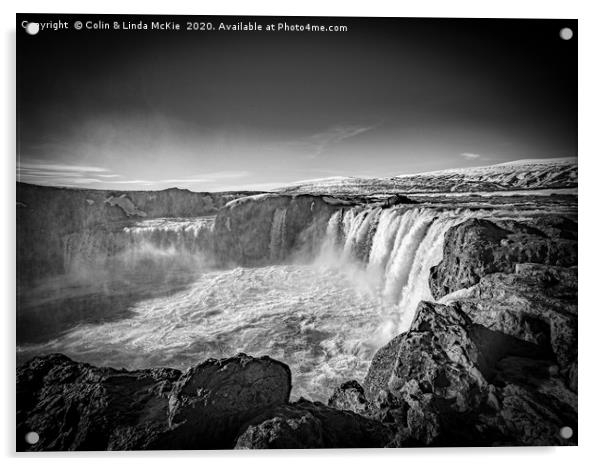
(47, 216)
(476, 248)
(267, 228)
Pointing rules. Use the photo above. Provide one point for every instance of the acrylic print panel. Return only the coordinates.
(269, 232)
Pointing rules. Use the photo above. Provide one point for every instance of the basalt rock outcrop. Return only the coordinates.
(451, 382)
(313, 425)
(240, 402)
(75, 406)
(478, 247)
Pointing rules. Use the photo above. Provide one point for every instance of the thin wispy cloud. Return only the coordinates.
(56, 167)
(470, 155)
(317, 144)
(209, 177)
(60, 174)
(334, 135)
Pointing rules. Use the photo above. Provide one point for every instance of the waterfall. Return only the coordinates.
(278, 235)
(153, 240)
(172, 235)
(396, 248)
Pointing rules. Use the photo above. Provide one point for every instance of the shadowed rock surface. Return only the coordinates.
(312, 425)
(75, 406)
(451, 382)
(211, 401)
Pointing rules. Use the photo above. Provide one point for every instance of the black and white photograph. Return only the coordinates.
(295, 232)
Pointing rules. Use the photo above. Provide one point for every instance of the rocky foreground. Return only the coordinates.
(493, 362)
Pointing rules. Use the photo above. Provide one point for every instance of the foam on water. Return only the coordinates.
(315, 320)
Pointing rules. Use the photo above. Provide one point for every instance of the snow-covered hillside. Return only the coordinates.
(512, 176)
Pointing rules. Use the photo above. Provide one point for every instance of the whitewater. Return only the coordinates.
(325, 317)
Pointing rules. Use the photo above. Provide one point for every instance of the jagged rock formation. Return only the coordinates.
(454, 382)
(496, 364)
(312, 425)
(479, 247)
(239, 402)
(75, 406)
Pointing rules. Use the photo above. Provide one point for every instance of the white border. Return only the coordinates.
(590, 226)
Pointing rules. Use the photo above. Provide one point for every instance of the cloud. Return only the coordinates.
(334, 135)
(209, 177)
(316, 144)
(59, 174)
(470, 155)
(56, 167)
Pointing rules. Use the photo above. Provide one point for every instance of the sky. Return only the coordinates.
(217, 110)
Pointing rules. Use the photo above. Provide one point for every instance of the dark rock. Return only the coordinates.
(312, 425)
(75, 406)
(537, 303)
(478, 247)
(349, 396)
(397, 199)
(211, 401)
(452, 382)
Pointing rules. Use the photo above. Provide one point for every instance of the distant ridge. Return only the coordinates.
(525, 174)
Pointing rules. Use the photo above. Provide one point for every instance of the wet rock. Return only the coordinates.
(312, 425)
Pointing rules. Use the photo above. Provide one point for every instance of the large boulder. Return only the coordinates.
(211, 401)
(537, 303)
(75, 406)
(450, 382)
(312, 425)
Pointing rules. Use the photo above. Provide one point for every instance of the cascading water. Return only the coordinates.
(278, 235)
(146, 240)
(395, 248)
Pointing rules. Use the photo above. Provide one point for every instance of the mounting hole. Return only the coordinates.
(32, 438)
(566, 33)
(32, 28)
(566, 432)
